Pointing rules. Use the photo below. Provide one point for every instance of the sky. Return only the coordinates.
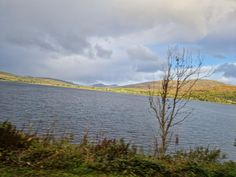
(114, 41)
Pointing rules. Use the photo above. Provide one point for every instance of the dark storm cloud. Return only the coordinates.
(39, 42)
(228, 69)
(219, 44)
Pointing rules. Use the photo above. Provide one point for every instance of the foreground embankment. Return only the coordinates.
(23, 154)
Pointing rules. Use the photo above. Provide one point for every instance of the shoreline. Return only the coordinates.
(120, 90)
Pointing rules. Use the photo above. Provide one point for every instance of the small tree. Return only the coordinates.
(180, 76)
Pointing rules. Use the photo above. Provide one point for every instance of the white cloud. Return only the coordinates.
(95, 36)
(141, 53)
(103, 53)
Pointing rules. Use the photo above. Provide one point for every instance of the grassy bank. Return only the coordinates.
(212, 91)
(25, 155)
(217, 96)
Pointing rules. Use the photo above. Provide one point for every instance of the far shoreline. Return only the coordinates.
(118, 90)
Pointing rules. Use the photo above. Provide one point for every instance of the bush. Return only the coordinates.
(106, 154)
(199, 154)
(52, 156)
(12, 139)
(111, 149)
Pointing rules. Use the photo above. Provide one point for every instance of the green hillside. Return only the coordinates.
(4, 76)
(35, 80)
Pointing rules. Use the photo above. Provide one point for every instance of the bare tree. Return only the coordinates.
(174, 92)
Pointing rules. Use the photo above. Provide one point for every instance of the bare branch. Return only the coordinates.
(181, 75)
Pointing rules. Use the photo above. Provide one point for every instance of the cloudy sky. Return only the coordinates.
(114, 41)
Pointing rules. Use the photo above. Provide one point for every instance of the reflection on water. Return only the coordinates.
(113, 115)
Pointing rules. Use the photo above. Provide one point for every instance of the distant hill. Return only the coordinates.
(201, 85)
(204, 90)
(4, 76)
(103, 85)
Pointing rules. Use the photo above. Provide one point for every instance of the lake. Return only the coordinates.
(113, 115)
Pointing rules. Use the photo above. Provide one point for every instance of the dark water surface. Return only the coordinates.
(113, 115)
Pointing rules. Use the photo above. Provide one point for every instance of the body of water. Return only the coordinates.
(113, 115)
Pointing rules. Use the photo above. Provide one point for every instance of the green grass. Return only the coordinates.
(30, 155)
(217, 96)
(35, 80)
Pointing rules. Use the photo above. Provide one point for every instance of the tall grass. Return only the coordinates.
(110, 157)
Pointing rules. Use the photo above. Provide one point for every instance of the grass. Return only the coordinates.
(206, 90)
(7, 171)
(35, 80)
(31, 155)
(218, 96)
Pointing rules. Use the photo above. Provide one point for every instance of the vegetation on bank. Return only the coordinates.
(35, 80)
(23, 154)
(217, 96)
(212, 92)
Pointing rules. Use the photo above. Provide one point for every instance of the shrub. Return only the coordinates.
(54, 156)
(199, 154)
(111, 149)
(13, 139)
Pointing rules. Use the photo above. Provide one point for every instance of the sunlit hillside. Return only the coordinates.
(34, 80)
(200, 85)
(204, 90)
